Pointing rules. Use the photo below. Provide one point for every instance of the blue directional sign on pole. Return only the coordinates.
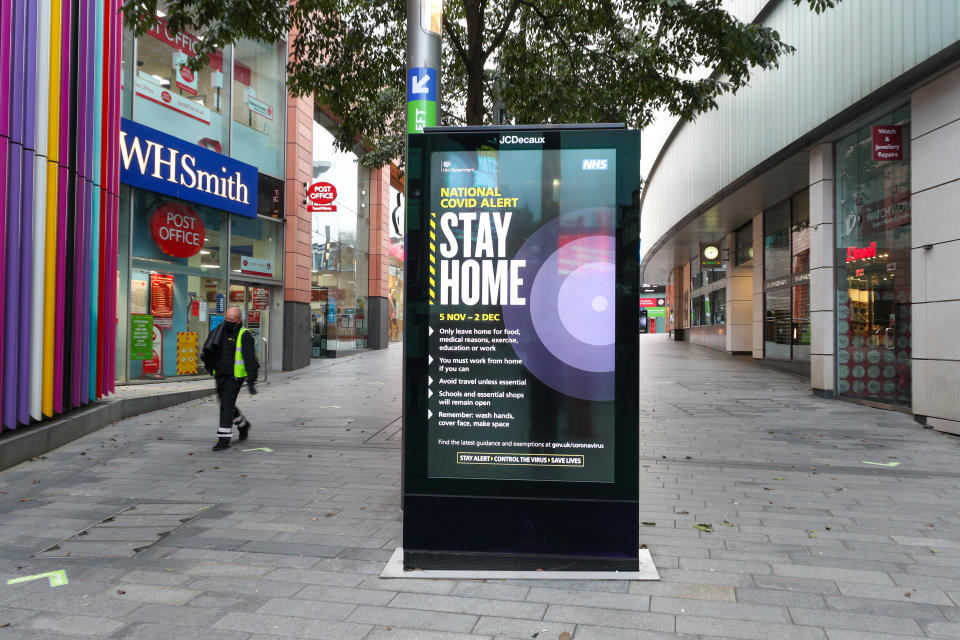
(421, 99)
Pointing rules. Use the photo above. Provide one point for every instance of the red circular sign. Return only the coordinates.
(186, 73)
(322, 193)
(166, 96)
(177, 230)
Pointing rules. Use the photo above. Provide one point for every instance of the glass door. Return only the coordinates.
(254, 302)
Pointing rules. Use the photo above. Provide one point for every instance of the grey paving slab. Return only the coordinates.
(292, 541)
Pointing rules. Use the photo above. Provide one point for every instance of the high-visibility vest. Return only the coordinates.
(239, 368)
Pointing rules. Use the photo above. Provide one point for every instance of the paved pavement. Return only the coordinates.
(807, 541)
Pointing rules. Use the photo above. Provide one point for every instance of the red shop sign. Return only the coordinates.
(161, 295)
(177, 230)
(887, 143)
(321, 196)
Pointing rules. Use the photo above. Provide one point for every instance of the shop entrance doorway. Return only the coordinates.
(255, 302)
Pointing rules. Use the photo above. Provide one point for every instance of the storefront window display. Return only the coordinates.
(786, 265)
(259, 105)
(340, 248)
(192, 105)
(256, 247)
(396, 269)
(177, 284)
(873, 261)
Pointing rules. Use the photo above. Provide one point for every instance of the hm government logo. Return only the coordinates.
(521, 140)
(447, 167)
(599, 164)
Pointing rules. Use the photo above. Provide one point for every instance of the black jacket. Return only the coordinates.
(219, 361)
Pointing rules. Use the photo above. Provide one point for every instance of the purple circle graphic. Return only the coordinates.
(565, 333)
(562, 299)
(586, 303)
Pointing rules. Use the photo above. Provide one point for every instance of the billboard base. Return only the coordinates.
(646, 571)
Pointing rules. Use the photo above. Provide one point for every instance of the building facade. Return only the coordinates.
(827, 189)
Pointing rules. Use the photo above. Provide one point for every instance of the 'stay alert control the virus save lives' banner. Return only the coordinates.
(521, 315)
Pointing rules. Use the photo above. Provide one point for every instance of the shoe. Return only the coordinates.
(243, 429)
(222, 443)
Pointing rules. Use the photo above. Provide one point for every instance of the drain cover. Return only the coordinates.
(127, 533)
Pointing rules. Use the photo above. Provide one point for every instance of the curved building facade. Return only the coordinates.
(812, 220)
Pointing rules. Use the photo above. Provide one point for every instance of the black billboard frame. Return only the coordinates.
(454, 523)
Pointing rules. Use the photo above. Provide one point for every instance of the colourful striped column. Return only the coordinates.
(40, 208)
(6, 31)
(59, 184)
(11, 318)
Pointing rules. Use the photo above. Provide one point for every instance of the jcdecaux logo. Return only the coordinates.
(156, 161)
(521, 140)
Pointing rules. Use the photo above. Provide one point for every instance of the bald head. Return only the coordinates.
(233, 314)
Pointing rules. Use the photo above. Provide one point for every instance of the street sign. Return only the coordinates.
(521, 316)
(421, 99)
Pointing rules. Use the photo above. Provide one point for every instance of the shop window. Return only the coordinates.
(259, 105)
(718, 303)
(873, 209)
(169, 96)
(696, 276)
(800, 232)
(340, 246)
(175, 291)
(270, 196)
(744, 244)
(776, 241)
(801, 322)
(777, 325)
(396, 266)
(256, 247)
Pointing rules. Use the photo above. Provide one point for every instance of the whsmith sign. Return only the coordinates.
(155, 161)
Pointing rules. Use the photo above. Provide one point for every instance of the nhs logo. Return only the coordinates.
(599, 164)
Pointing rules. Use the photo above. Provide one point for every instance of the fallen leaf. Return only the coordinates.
(682, 513)
(36, 482)
(643, 546)
(121, 591)
(708, 528)
(190, 454)
(159, 437)
(779, 478)
(565, 636)
(330, 514)
(25, 499)
(929, 524)
(4, 624)
(907, 595)
(314, 518)
(687, 458)
(726, 524)
(828, 528)
(768, 489)
(934, 550)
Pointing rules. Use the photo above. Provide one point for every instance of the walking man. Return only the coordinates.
(229, 355)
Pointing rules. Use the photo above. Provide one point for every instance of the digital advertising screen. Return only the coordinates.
(521, 315)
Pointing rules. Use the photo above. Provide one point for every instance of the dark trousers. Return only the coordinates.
(228, 388)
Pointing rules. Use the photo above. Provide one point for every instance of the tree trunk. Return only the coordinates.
(473, 12)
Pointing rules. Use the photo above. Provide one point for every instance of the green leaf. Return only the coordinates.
(707, 528)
